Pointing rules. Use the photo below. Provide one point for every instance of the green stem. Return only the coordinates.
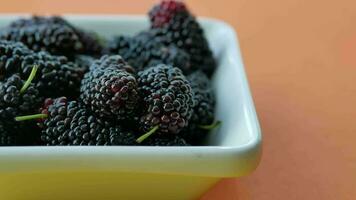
(30, 117)
(30, 78)
(210, 126)
(146, 135)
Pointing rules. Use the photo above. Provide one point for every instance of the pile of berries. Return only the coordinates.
(62, 85)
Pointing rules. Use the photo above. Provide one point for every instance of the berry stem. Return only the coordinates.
(30, 78)
(30, 117)
(146, 135)
(210, 126)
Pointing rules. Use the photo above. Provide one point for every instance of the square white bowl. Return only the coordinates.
(126, 172)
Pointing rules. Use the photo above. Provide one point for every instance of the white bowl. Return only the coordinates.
(124, 172)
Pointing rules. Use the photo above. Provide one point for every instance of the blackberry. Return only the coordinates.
(69, 123)
(144, 50)
(204, 98)
(110, 91)
(172, 23)
(115, 61)
(13, 101)
(203, 110)
(54, 38)
(36, 20)
(165, 141)
(162, 13)
(56, 75)
(52, 34)
(170, 55)
(119, 45)
(90, 40)
(17, 97)
(167, 99)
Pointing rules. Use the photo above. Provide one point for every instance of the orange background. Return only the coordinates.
(300, 57)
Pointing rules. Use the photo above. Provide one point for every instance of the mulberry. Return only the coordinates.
(172, 23)
(167, 99)
(69, 123)
(52, 34)
(109, 90)
(144, 50)
(56, 76)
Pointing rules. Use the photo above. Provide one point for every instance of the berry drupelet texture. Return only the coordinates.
(13, 102)
(90, 40)
(109, 90)
(167, 99)
(204, 107)
(54, 38)
(119, 45)
(36, 20)
(162, 13)
(52, 34)
(69, 123)
(204, 98)
(150, 89)
(56, 75)
(115, 61)
(172, 23)
(144, 50)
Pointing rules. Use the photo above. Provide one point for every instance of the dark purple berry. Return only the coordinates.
(14, 103)
(56, 76)
(70, 123)
(172, 23)
(159, 99)
(52, 34)
(203, 110)
(109, 90)
(144, 50)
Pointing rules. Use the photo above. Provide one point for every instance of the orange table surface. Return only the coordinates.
(300, 57)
